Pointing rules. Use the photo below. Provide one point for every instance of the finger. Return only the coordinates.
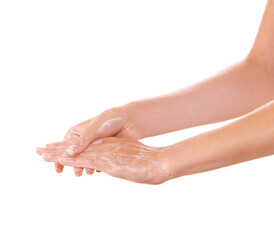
(71, 150)
(89, 171)
(78, 171)
(96, 129)
(58, 167)
(72, 162)
(51, 154)
(51, 147)
(67, 140)
(87, 160)
(57, 144)
(71, 137)
(80, 144)
(39, 151)
(79, 128)
(50, 157)
(97, 146)
(96, 157)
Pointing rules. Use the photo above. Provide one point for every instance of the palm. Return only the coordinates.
(106, 125)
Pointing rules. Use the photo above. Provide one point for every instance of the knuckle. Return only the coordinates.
(72, 130)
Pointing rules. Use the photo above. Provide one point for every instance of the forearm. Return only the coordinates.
(232, 93)
(246, 139)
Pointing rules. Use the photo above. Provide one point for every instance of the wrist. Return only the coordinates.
(168, 163)
(183, 158)
(263, 64)
(130, 112)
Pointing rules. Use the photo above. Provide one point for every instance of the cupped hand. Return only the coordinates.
(124, 158)
(112, 122)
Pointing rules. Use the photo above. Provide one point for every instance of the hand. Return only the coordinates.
(119, 157)
(112, 122)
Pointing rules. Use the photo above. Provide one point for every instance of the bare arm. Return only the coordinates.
(236, 91)
(248, 138)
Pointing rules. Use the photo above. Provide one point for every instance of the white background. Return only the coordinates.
(62, 62)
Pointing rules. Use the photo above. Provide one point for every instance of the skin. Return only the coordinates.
(112, 122)
(119, 157)
(246, 139)
(246, 88)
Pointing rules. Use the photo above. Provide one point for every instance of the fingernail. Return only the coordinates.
(72, 149)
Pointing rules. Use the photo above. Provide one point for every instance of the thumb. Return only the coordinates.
(80, 144)
(103, 126)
